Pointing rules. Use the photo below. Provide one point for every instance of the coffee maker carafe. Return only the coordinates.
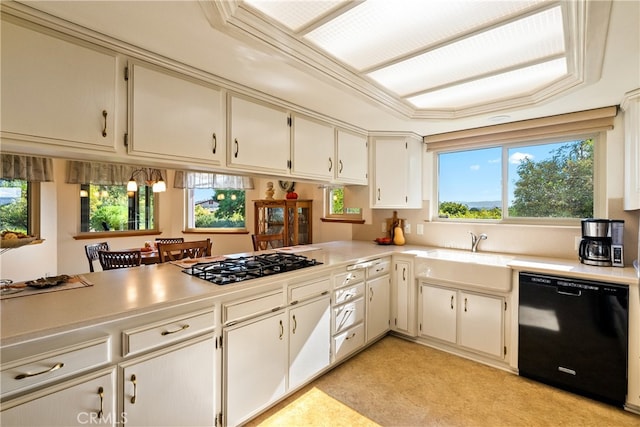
(595, 246)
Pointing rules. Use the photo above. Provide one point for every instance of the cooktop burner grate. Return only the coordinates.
(233, 270)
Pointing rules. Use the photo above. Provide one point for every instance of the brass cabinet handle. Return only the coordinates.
(451, 302)
(215, 143)
(370, 294)
(340, 166)
(330, 164)
(350, 336)
(235, 141)
(295, 324)
(378, 194)
(53, 368)
(104, 129)
(404, 273)
(281, 330)
(135, 388)
(465, 305)
(176, 331)
(101, 394)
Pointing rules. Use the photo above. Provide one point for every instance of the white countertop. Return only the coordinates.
(128, 292)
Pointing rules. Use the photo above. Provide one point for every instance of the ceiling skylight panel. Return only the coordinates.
(533, 38)
(493, 88)
(294, 14)
(376, 31)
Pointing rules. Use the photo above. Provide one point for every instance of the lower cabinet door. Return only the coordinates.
(172, 388)
(88, 400)
(310, 340)
(438, 309)
(255, 363)
(481, 323)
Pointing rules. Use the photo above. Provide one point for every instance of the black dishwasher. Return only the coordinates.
(573, 335)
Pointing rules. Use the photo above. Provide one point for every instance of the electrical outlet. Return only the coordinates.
(383, 227)
(420, 229)
(407, 229)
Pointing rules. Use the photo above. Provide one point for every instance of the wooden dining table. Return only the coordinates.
(148, 257)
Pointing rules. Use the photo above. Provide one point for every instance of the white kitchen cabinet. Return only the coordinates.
(174, 117)
(259, 137)
(397, 172)
(469, 320)
(56, 92)
(481, 323)
(631, 107)
(313, 149)
(352, 156)
(172, 387)
(378, 288)
(256, 366)
(348, 313)
(87, 400)
(403, 298)
(310, 339)
(438, 312)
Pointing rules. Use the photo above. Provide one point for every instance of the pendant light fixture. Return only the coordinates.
(152, 177)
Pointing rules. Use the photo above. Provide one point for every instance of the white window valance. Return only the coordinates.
(28, 168)
(187, 179)
(104, 173)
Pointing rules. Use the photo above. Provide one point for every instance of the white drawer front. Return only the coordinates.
(166, 332)
(348, 341)
(348, 278)
(348, 315)
(350, 293)
(60, 363)
(308, 290)
(252, 307)
(380, 269)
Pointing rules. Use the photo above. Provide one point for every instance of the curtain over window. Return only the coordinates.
(28, 168)
(184, 179)
(104, 173)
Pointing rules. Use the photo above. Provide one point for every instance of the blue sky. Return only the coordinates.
(475, 176)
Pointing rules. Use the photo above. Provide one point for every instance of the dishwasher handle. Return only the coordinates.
(572, 292)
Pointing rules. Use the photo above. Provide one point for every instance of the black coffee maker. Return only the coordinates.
(595, 246)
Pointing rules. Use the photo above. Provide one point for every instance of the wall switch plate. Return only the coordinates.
(420, 228)
(407, 229)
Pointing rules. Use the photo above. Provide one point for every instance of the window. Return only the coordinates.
(552, 180)
(336, 207)
(215, 209)
(112, 208)
(19, 206)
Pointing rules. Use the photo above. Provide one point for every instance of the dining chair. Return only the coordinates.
(92, 252)
(178, 251)
(165, 240)
(111, 260)
(263, 242)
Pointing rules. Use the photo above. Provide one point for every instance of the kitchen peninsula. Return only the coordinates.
(132, 324)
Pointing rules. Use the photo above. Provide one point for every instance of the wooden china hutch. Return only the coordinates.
(292, 217)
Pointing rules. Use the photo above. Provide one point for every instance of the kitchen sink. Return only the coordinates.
(472, 269)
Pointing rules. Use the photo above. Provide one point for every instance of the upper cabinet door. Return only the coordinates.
(259, 138)
(175, 118)
(56, 92)
(397, 173)
(352, 158)
(313, 149)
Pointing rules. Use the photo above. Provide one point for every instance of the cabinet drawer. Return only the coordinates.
(381, 268)
(348, 341)
(166, 332)
(348, 278)
(348, 315)
(43, 368)
(308, 290)
(235, 311)
(350, 293)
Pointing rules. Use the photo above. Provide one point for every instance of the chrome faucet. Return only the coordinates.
(475, 240)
